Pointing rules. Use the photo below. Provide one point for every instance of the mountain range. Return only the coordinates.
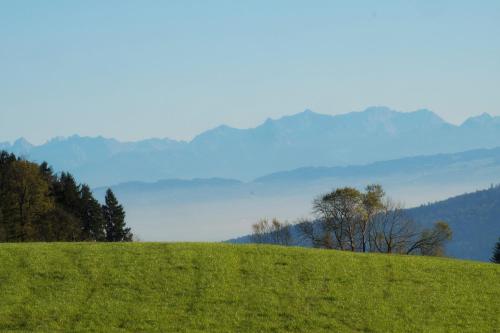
(306, 139)
(217, 185)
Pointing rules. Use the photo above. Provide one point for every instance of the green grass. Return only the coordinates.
(147, 287)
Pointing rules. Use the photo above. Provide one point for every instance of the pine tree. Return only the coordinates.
(92, 219)
(47, 173)
(3, 237)
(67, 193)
(496, 253)
(114, 216)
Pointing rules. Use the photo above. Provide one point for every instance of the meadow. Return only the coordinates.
(196, 287)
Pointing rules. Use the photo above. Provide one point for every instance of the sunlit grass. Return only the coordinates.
(145, 287)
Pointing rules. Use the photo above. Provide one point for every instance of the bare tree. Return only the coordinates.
(313, 233)
(431, 242)
(259, 230)
(373, 205)
(274, 232)
(392, 231)
(281, 233)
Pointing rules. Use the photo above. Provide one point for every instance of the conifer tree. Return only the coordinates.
(92, 219)
(38, 205)
(495, 258)
(2, 227)
(114, 216)
(67, 193)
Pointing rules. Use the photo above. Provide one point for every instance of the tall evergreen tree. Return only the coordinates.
(67, 193)
(92, 219)
(114, 215)
(7, 225)
(496, 253)
(3, 235)
(48, 175)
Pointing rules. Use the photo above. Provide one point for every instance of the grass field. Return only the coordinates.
(147, 287)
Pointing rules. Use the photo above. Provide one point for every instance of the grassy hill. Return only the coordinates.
(146, 287)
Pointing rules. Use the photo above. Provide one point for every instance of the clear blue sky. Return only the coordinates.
(138, 69)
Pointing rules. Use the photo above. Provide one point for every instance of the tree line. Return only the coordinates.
(361, 221)
(37, 204)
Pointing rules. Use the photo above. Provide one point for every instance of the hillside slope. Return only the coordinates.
(473, 217)
(147, 287)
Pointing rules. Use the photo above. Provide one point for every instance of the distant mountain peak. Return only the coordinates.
(384, 110)
(480, 120)
(308, 112)
(303, 114)
(223, 127)
(379, 109)
(21, 146)
(217, 132)
(426, 114)
(22, 141)
(485, 115)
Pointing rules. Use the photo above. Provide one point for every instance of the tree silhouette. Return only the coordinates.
(114, 216)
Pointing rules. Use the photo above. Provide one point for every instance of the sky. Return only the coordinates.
(139, 69)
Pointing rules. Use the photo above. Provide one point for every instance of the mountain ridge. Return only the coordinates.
(378, 168)
(306, 139)
(307, 112)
